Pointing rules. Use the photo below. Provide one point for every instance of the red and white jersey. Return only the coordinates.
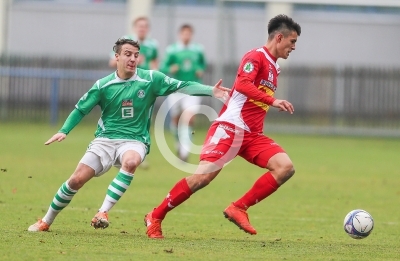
(252, 92)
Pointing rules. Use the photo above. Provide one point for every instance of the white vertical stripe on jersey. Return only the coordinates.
(233, 112)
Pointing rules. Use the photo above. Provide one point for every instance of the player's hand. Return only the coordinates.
(174, 68)
(283, 105)
(199, 73)
(56, 137)
(221, 92)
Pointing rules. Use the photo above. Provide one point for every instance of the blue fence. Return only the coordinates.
(343, 100)
(42, 79)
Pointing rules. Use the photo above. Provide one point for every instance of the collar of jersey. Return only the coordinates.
(182, 46)
(133, 78)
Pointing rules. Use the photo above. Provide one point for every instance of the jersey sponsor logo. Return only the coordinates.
(268, 84)
(127, 112)
(248, 67)
(270, 76)
(127, 102)
(268, 90)
(141, 94)
(187, 65)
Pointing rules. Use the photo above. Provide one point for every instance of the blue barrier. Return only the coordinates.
(55, 75)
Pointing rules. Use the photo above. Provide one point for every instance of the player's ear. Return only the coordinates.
(279, 37)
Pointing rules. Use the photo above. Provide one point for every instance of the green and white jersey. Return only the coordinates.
(148, 51)
(189, 59)
(127, 105)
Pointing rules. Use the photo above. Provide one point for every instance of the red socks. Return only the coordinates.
(262, 188)
(178, 194)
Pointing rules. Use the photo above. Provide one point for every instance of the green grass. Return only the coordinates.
(302, 221)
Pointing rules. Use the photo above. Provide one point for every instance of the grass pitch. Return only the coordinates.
(301, 221)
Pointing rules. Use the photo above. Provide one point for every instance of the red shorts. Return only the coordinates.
(224, 141)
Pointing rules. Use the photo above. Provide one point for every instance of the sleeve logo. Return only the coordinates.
(248, 67)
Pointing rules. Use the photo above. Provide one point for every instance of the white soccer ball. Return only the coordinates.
(358, 224)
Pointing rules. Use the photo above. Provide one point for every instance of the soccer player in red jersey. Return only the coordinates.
(239, 131)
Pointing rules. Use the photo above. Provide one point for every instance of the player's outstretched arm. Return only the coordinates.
(56, 137)
(220, 91)
(283, 105)
(73, 119)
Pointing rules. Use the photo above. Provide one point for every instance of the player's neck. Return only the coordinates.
(271, 47)
(185, 43)
(125, 76)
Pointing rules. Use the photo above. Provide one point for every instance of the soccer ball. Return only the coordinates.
(358, 224)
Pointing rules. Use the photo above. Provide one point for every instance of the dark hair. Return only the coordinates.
(140, 18)
(121, 41)
(284, 24)
(186, 26)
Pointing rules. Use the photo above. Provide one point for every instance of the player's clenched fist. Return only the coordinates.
(283, 105)
(56, 137)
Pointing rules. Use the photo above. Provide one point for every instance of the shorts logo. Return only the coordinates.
(220, 134)
(141, 94)
(225, 127)
(248, 67)
(127, 102)
(214, 152)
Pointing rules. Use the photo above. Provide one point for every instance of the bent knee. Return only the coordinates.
(76, 182)
(283, 172)
(287, 169)
(130, 165)
(291, 171)
(283, 167)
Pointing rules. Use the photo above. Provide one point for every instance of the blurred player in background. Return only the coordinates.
(148, 54)
(239, 131)
(184, 61)
(126, 98)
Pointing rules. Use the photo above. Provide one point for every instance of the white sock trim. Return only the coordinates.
(126, 172)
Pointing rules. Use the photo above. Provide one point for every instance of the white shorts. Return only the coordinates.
(181, 102)
(103, 153)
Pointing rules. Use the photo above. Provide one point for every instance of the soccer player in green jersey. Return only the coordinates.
(126, 98)
(184, 61)
(148, 55)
